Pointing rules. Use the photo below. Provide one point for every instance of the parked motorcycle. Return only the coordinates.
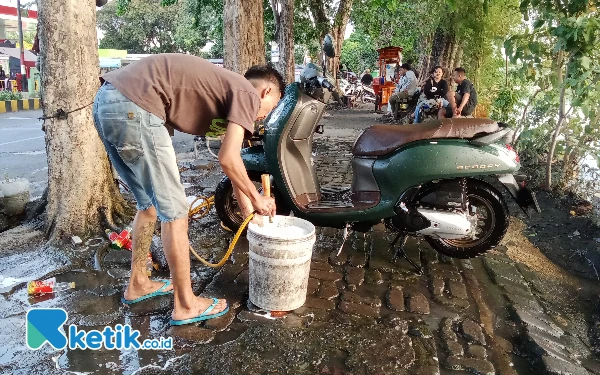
(420, 180)
(365, 94)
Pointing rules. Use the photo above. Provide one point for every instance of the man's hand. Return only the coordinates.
(264, 206)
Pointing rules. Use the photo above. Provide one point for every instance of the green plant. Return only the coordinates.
(9, 95)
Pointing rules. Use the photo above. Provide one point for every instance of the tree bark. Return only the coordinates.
(81, 189)
(561, 117)
(437, 49)
(243, 35)
(424, 57)
(338, 30)
(284, 36)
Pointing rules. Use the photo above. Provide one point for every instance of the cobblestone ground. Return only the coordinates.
(487, 316)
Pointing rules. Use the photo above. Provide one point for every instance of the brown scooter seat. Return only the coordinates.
(380, 140)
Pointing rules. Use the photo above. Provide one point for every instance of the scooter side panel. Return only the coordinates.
(254, 159)
(425, 161)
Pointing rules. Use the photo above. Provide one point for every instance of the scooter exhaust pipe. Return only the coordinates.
(446, 225)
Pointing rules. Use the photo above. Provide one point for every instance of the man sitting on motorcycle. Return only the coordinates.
(407, 88)
(435, 89)
(464, 100)
(367, 78)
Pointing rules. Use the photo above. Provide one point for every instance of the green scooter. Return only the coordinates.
(421, 180)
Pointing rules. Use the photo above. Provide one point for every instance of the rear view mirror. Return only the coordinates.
(328, 46)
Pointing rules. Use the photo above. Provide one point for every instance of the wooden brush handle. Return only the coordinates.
(266, 185)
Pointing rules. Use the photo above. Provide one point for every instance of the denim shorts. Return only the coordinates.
(140, 149)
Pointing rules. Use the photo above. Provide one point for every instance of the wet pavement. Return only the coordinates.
(489, 315)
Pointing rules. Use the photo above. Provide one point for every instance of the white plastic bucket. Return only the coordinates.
(280, 254)
(14, 195)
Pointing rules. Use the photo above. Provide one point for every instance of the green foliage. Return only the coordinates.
(504, 105)
(144, 26)
(359, 53)
(9, 95)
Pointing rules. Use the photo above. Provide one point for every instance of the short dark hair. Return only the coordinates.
(266, 73)
(461, 70)
(438, 67)
(406, 66)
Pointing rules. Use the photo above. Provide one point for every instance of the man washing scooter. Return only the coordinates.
(196, 97)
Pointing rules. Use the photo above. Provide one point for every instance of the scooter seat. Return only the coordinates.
(379, 140)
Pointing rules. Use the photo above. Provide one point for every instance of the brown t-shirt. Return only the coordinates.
(191, 94)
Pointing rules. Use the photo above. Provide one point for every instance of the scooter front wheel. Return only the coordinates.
(228, 209)
(492, 224)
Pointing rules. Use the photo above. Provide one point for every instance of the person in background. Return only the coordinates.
(406, 88)
(435, 88)
(367, 78)
(2, 78)
(463, 101)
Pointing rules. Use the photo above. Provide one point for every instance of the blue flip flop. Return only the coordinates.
(159, 292)
(204, 316)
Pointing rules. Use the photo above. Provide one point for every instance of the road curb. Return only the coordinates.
(19, 105)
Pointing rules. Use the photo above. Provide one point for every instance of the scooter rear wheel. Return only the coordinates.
(492, 224)
(227, 206)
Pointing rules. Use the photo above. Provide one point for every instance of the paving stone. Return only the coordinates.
(243, 278)
(418, 304)
(457, 289)
(336, 260)
(118, 257)
(319, 303)
(321, 266)
(555, 366)
(476, 351)
(473, 365)
(466, 263)
(515, 287)
(359, 309)
(373, 277)
(445, 267)
(356, 298)
(472, 332)
(454, 276)
(437, 286)
(201, 164)
(251, 317)
(420, 330)
(395, 299)
(355, 276)
(452, 302)
(528, 303)
(228, 273)
(454, 349)
(553, 347)
(501, 270)
(313, 285)
(358, 259)
(395, 322)
(328, 290)
(324, 275)
(221, 323)
(503, 344)
(191, 334)
(446, 331)
(429, 257)
(537, 323)
(320, 257)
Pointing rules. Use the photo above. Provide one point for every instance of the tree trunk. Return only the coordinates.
(437, 49)
(243, 35)
(338, 31)
(452, 59)
(561, 117)
(521, 127)
(423, 66)
(81, 189)
(283, 11)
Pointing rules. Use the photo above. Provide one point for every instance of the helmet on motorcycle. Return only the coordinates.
(309, 71)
